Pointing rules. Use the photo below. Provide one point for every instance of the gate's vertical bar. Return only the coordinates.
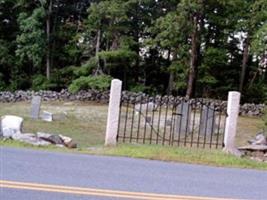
(212, 125)
(188, 114)
(166, 116)
(172, 122)
(158, 131)
(139, 117)
(194, 106)
(180, 123)
(146, 120)
(219, 126)
(132, 124)
(231, 121)
(126, 119)
(119, 123)
(206, 123)
(201, 113)
(113, 112)
(224, 125)
(152, 121)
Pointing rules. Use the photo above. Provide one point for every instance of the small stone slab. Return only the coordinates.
(254, 147)
(47, 116)
(59, 116)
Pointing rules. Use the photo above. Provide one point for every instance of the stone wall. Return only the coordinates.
(247, 109)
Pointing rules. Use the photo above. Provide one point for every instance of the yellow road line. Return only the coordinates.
(97, 192)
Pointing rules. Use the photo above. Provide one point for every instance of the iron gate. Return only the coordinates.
(172, 121)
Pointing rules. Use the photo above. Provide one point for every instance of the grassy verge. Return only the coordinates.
(156, 152)
(185, 155)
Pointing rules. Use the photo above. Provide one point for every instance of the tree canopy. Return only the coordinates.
(194, 48)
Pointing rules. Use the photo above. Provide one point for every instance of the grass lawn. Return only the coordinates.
(86, 122)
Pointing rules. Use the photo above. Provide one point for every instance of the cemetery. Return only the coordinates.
(165, 120)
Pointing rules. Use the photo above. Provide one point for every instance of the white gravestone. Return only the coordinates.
(11, 125)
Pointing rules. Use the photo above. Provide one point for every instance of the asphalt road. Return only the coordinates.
(122, 174)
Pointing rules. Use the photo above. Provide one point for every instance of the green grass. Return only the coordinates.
(155, 152)
(86, 122)
(185, 155)
(247, 128)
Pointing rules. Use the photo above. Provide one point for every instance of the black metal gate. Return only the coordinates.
(172, 121)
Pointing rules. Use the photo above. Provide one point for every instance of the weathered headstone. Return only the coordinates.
(59, 116)
(183, 112)
(35, 107)
(142, 108)
(207, 120)
(47, 116)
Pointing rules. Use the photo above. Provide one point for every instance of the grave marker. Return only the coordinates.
(183, 118)
(35, 107)
(207, 120)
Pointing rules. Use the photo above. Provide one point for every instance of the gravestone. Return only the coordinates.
(47, 116)
(207, 120)
(11, 125)
(35, 107)
(183, 119)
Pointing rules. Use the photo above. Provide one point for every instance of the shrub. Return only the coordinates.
(101, 82)
(40, 82)
(256, 93)
(86, 68)
(2, 83)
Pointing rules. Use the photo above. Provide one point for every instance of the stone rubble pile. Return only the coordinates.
(257, 148)
(11, 128)
(247, 109)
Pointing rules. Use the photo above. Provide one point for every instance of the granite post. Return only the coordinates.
(113, 112)
(231, 122)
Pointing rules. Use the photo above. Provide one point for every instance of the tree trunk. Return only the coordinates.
(97, 48)
(171, 76)
(193, 59)
(170, 85)
(244, 63)
(48, 38)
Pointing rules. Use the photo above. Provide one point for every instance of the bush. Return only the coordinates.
(86, 68)
(19, 82)
(256, 93)
(2, 83)
(101, 82)
(138, 88)
(40, 82)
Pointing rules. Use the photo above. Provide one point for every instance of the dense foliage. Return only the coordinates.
(182, 47)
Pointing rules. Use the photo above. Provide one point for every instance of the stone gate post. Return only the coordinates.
(231, 122)
(113, 112)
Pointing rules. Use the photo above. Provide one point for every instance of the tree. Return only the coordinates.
(253, 14)
(31, 40)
